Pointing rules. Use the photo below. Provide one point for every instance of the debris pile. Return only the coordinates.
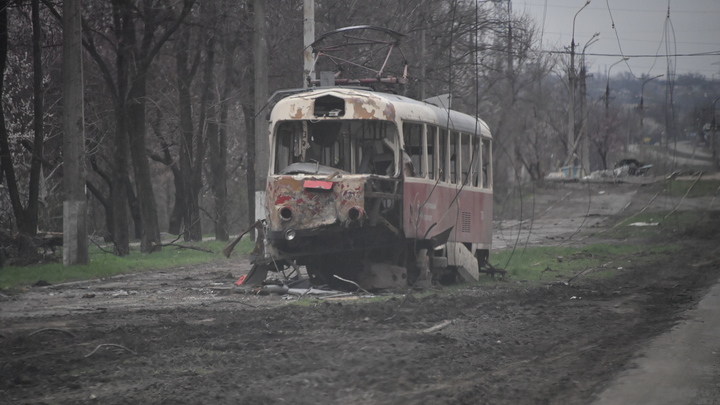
(623, 169)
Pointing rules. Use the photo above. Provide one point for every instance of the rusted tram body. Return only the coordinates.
(377, 188)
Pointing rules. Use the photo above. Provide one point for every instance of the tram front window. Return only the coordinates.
(352, 146)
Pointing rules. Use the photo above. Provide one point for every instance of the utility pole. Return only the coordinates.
(308, 39)
(262, 148)
(607, 87)
(642, 108)
(584, 141)
(584, 144)
(607, 102)
(75, 240)
(571, 107)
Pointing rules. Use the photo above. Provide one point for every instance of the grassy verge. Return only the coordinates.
(651, 224)
(701, 188)
(104, 264)
(604, 259)
(561, 263)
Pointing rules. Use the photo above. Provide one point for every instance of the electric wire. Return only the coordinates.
(617, 36)
(542, 32)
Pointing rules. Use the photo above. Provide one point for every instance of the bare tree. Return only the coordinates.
(27, 213)
(127, 84)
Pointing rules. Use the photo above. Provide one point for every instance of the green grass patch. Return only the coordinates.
(676, 223)
(701, 188)
(561, 263)
(104, 264)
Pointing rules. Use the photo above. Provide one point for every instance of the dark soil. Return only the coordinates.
(506, 343)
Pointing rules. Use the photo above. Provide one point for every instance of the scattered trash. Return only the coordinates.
(301, 288)
(623, 168)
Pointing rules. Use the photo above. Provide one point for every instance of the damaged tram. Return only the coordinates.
(377, 188)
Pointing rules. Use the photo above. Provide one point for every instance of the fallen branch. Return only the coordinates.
(99, 246)
(187, 247)
(437, 327)
(229, 248)
(586, 270)
(52, 330)
(341, 295)
(109, 345)
(351, 282)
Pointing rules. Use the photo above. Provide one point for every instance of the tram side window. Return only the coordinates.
(442, 155)
(373, 147)
(454, 157)
(486, 164)
(476, 163)
(465, 158)
(432, 151)
(412, 135)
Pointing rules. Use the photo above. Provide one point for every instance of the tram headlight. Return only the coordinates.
(290, 234)
(285, 213)
(354, 213)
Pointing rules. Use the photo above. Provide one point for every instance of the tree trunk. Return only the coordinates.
(134, 207)
(118, 195)
(26, 218)
(107, 206)
(207, 128)
(220, 173)
(176, 216)
(250, 174)
(150, 240)
(5, 155)
(217, 144)
(187, 153)
(31, 217)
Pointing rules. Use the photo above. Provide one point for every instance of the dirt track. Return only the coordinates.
(185, 338)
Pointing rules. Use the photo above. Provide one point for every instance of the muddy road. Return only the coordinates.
(185, 336)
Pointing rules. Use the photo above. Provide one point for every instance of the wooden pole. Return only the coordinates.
(75, 241)
(262, 148)
(308, 38)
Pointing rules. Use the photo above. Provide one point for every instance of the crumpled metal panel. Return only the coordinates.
(300, 110)
(370, 108)
(312, 207)
(364, 105)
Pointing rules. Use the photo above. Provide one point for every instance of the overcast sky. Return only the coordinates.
(640, 27)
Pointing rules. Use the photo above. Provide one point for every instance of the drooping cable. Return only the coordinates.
(617, 37)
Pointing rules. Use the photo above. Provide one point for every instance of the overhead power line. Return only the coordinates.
(710, 53)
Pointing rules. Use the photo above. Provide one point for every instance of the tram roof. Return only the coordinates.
(393, 107)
